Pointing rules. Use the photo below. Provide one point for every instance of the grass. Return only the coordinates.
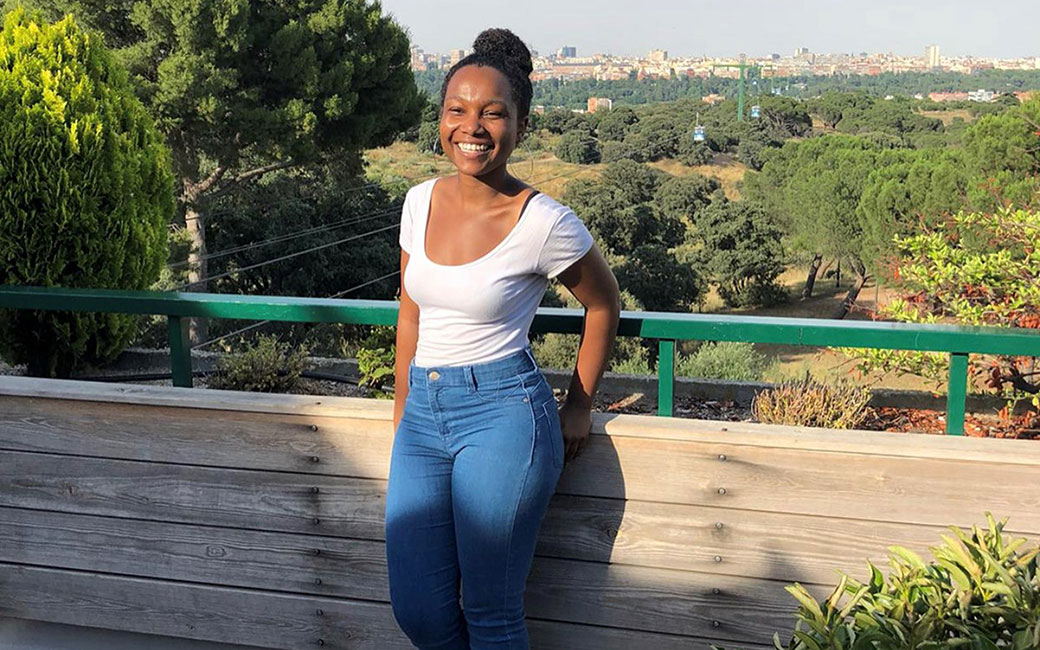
(947, 116)
(724, 168)
(540, 169)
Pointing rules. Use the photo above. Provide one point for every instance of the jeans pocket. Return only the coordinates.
(554, 430)
(501, 390)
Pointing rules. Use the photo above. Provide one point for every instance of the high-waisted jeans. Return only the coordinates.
(475, 460)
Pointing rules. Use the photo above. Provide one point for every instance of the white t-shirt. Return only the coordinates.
(482, 310)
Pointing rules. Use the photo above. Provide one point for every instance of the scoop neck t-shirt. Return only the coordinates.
(482, 310)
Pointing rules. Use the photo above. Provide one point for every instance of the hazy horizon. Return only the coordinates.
(760, 28)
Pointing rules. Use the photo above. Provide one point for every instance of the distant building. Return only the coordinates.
(801, 51)
(599, 104)
(538, 108)
(567, 52)
(658, 55)
(418, 59)
(981, 95)
(931, 57)
(713, 99)
(456, 56)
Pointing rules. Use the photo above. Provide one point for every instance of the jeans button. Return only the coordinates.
(434, 375)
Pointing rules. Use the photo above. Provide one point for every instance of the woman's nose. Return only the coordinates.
(473, 124)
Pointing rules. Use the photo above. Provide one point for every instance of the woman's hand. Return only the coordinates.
(576, 422)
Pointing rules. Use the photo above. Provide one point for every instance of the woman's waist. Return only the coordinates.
(469, 366)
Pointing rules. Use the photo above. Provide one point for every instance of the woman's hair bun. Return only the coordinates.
(504, 44)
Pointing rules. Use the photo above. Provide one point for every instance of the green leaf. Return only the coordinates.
(807, 601)
(908, 556)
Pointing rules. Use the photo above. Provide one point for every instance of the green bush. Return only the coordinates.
(375, 359)
(632, 357)
(980, 593)
(638, 364)
(555, 350)
(265, 366)
(809, 403)
(736, 361)
(87, 190)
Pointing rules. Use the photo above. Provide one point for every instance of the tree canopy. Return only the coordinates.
(87, 190)
(241, 89)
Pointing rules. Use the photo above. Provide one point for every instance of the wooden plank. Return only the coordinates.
(264, 619)
(273, 441)
(726, 541)
(281, 501)
(856, 486)
(552, 635)
(230, 557)
(639, 426)
(223, 400)
(193, 611)
(660, 600)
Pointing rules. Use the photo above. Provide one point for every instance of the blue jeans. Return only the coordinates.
(475, 460)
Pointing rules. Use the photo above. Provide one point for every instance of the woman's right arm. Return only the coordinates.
(407, 336)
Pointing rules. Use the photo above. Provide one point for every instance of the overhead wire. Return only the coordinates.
(354, 220)
(286, 257)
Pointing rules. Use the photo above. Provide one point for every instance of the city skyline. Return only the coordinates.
(958, 27)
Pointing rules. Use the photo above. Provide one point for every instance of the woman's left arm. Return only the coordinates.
(594, 285)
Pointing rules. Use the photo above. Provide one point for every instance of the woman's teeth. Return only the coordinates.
(474, 148)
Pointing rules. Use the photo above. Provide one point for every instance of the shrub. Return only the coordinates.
(375, 359)
(556, 350)
(265, 366)
(87, 190)
(809, 403)
(973, 269)
(732, 360)
(631, 357)
(981, 592)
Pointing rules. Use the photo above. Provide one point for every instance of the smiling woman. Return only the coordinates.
(479, 441)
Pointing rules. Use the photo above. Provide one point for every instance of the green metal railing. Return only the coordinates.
(667, 328)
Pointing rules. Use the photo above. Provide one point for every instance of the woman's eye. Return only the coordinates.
(493, 114)
(455, 110)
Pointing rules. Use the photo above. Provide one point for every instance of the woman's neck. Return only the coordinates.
(482, 190)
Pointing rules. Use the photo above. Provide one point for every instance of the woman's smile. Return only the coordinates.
(473, 149)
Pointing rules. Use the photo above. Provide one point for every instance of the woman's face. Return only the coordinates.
(479, 122)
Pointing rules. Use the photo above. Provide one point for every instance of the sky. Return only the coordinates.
(1004, 28)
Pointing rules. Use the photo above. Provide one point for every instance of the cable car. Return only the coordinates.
(756, 111)
(698, 133)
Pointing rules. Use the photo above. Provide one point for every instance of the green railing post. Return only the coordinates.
(180, 351)
(665, 376)
(957, 394)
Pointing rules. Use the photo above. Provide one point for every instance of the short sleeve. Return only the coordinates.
(567, 242)
(405, 237)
